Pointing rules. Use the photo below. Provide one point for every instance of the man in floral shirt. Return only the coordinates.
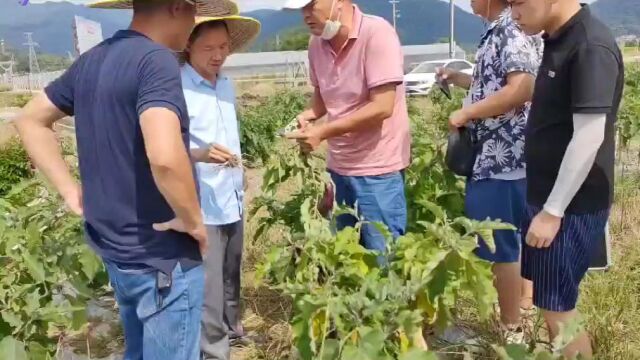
(496, 112)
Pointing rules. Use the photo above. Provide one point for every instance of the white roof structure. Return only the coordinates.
(289, 63)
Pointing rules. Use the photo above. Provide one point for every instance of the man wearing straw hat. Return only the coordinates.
(215, 147)
(356, 66)
(137, 194)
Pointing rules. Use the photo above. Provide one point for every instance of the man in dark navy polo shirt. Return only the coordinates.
(569, 149)
(138, 194)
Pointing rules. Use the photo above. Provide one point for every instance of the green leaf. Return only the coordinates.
(36, 270)
(32, 301)
(90, 263)
(512, 352)
(372, 341)
(12, 349)
(79, 318)
(433, 208)
(38, 352)
(418, 354)
(12, 319)
(81, 287)
(331, 349)
(351, 352)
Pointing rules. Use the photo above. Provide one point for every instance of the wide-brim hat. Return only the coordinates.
(243, 30)
(203, 7)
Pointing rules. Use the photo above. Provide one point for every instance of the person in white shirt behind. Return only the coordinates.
(215, 148)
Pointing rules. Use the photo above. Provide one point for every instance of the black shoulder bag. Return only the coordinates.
(462, 150)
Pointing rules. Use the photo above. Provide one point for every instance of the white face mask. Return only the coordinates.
(331, 27)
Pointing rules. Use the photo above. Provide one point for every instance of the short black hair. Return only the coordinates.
(145, 6)
(209, 25)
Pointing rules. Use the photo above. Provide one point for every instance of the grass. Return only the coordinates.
(13, 99)
(611, 300)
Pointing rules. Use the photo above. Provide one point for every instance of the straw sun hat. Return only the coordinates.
(203, 7)
(242, 30)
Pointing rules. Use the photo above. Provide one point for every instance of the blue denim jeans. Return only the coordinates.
(160, 330)
(379, 198)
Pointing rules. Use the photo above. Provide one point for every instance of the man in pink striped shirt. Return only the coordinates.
(356, 66)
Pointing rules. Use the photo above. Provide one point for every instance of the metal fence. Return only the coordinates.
(29, 82)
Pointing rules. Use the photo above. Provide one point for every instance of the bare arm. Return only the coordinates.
(315, 111)
(35, 127)
(170, 164)
(379, 108)
(517, 91)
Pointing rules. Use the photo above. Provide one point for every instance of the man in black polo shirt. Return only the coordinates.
(569, 149)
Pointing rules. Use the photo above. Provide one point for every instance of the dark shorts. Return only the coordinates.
(557, 271)
(498, 199)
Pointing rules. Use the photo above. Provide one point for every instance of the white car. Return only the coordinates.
(420, 80)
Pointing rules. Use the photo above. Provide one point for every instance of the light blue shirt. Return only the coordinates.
(212, 113)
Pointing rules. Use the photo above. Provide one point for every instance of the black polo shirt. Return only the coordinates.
(582, 72)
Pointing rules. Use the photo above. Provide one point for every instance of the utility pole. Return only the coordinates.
(452, 9)
(395, 11)
(7, 70)
(34, 67)
(3, 51)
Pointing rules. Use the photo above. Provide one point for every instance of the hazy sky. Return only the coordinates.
(248, 5)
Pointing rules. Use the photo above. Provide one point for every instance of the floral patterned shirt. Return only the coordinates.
(504, 49)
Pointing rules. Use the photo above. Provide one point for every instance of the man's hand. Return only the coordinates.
(445, 74)
(543, 230)
(303, 122)
(459, 118)
(309, 139)
(199, 232)
(454, 77)
(219, 154)
(73, 199)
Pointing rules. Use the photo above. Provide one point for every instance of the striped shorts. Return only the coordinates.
(556, 271)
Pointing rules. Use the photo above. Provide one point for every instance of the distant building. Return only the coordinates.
(288, 64)
(627, 40)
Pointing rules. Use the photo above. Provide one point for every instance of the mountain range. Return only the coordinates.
(420, 22)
